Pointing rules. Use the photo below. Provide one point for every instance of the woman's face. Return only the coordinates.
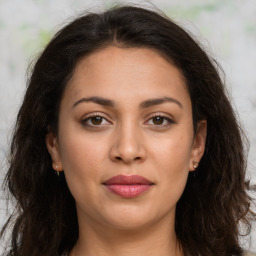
(126, 112)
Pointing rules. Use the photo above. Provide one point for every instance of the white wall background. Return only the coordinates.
(226, 27)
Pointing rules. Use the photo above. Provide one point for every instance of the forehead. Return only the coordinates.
(114, 71)
(114, 58)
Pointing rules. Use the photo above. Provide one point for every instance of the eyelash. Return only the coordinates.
(170, 121)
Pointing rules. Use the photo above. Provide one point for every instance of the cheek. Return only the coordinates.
(172, 160)
(82, 158)
(79, 151)
(174, 153)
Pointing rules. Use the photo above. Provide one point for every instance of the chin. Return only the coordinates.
(130, 218)
(130, 224)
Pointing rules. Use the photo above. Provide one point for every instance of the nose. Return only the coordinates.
(128, 145)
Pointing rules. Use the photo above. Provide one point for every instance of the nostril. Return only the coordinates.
(120, 158)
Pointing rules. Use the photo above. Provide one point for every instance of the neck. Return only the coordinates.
(151, 240)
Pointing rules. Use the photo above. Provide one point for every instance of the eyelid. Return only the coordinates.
(161, 114)
(92, 114)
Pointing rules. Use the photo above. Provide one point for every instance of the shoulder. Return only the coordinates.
(247, 253)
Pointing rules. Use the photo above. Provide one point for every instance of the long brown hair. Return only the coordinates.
(214, 201)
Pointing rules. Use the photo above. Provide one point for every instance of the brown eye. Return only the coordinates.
(96, 120)
(158, 120)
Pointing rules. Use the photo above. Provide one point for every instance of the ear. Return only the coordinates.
(52, 145)
(198, 147)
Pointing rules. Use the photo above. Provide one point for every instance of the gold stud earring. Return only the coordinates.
(57, 170)
(56, 167)
(195, 164)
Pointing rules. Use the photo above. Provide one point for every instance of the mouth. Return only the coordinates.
(128, 186)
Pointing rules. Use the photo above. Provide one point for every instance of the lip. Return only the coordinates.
(128, 186)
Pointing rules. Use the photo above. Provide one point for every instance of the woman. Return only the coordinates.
(126, 143)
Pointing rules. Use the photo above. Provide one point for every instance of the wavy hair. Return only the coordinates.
(214, 201)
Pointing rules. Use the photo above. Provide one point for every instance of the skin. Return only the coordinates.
(126, 140)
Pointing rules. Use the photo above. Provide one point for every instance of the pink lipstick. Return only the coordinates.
(128, 186)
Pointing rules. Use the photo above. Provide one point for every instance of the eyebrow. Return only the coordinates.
(145, 104)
